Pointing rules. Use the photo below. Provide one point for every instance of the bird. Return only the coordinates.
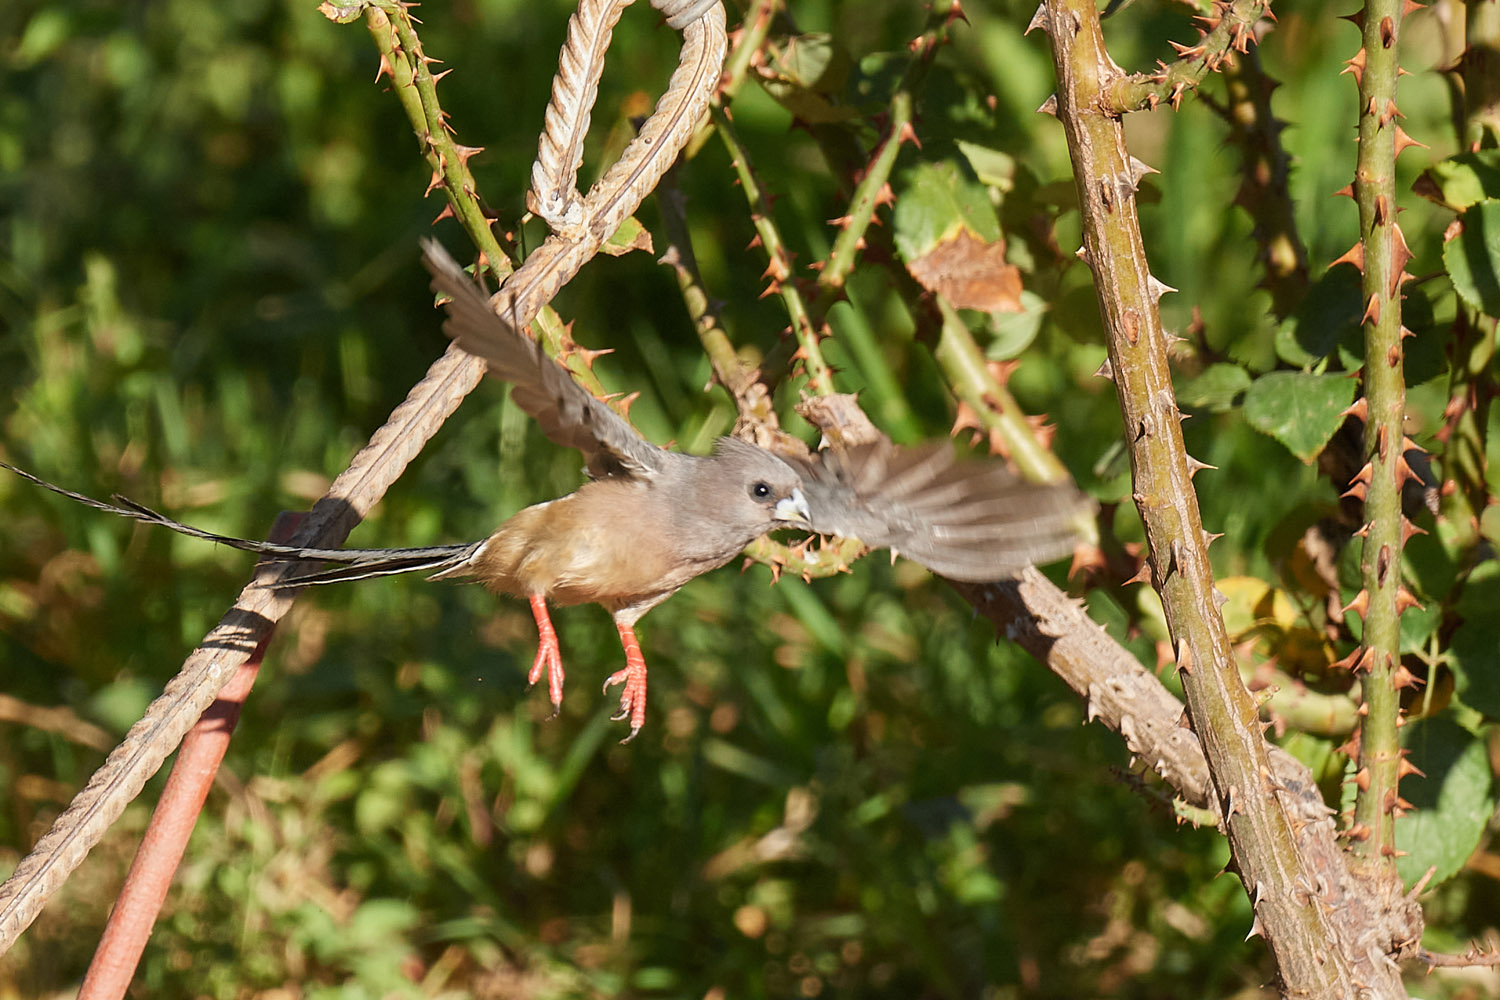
(649, 520)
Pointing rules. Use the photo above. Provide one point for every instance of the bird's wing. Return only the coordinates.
(567, 412)
(967, 520)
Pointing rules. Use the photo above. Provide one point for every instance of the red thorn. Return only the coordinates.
(1402, 678)
(1404, 600)
(1406, 767)
(1405, 142)
(1354, 255)
(1401, 255)
(1356, 66)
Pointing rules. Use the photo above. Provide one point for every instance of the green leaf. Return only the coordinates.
(1473, 258)
(1215, 388)
(1417, 626)
(1474, 657)
(936, 203)
(629, 235)
(1463, 180)
(1329, 314)
(1014, 331)
(1453, 802)
(1474, 650)
(991, 166)
(1298, 409)
(809, 76)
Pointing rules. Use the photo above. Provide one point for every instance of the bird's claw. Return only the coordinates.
(632, 696)
(549, 659)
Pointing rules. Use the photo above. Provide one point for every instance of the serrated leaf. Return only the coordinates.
(936, 203)
(1472, 258)
(1215, 388)
(1462, 180)
(1328, 314)
(1417, 626)
(1474, 649)
(1474, 656)
(1298, 409)
(629, 235)
(1453, 802)
(809, 76)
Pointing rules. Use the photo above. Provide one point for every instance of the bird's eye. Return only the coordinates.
(760, 491)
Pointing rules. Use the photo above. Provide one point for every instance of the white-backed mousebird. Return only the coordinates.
(649, 520)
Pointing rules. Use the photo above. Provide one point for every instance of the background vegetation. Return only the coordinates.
(210, 296)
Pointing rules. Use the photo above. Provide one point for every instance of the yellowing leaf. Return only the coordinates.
(970, 274)
(630, 235)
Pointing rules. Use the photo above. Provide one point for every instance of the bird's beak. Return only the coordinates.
(793, 509)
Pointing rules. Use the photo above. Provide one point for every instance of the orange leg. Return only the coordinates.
(633, 697)
(548, 653)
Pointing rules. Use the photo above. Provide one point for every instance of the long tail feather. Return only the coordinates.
(356, 564)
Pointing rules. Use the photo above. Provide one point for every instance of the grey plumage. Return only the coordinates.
(970, 520)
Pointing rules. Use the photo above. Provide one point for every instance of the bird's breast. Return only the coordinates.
(604, 544)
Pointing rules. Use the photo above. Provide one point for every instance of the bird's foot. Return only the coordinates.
(633, 677)
(548, 655)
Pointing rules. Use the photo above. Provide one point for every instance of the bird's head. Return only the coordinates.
(758, 489)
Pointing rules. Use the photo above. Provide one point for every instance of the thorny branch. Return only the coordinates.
(1381, 256)
(1329, 932)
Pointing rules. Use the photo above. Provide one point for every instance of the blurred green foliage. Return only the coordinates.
(210, 297)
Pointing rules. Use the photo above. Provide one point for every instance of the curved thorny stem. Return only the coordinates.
(1282, 851)
(1381, 255)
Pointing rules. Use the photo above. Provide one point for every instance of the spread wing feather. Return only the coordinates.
(967, 520)
(567, 412)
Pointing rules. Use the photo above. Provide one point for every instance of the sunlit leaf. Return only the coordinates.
(1473, 258)
(629, 235)
(1463, 180)
(1299, 409)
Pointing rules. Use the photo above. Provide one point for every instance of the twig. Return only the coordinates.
(779, 266)
(1229, 28)
(1381, 255)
